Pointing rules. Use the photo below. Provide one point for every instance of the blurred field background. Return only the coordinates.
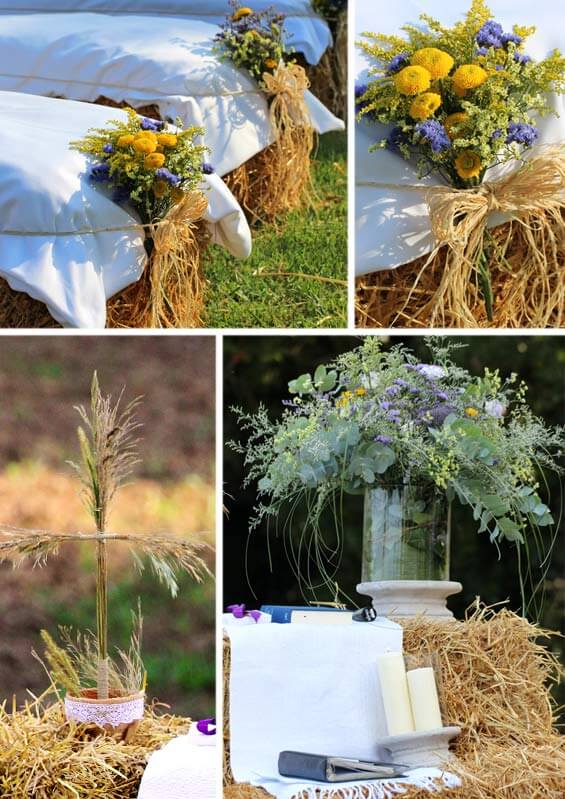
(257, 370)
(41, 379)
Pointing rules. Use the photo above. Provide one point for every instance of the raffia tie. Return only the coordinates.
(177, 286)
(287, 86)
(534, 198)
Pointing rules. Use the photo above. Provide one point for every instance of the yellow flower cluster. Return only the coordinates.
(467, 77)
(242, 12)
(425, 105)
(412, 80)
(347, 396)
(437, 62)
(454, 123)
(151, 146)
(468, 165)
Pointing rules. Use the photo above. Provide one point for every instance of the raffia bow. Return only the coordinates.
(176, 294)
(278, 178)
(534, 199)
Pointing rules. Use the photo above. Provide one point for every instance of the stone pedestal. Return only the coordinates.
(407, 598)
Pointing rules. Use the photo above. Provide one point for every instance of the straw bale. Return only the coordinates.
(496, 675)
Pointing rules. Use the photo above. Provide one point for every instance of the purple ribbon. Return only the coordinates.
(206, 726)
(239, 612)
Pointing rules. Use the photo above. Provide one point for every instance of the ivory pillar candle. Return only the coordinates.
(394, 689)
(424, 699)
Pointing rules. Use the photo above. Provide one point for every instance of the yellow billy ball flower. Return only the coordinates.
(154, 161)
(160, 187)
(412, 80)
(167, 139)
(270, 63)
(242, 12)
(472, 412)
(147, 134)
(438, 63)
(126, 140)
(425, 105)
(469, 76)
(361, 392)
(144, 146)
(468, 165)
(455, 121)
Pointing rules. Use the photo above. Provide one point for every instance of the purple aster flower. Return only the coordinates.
(522, 59)
(100, 173)
(496, 135)
(164, 174)
(206, 726)
(521, 133)
(383, 440)
(434, 134)
(511, 37)
(499, 67)
(151, 124)
(482, 51)
(360, 91)
(392, 391)
(109, 148)
(402, 383)
(393, 416)
(397, 63)
(207, 169)
(385, 405)
(395, 139)
(490, 35)
(442, 396)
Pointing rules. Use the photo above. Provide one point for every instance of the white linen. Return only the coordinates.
(48, 206)
(185, 767)
(306, 31)
(308, 689)
(166, 61)
(392, 220)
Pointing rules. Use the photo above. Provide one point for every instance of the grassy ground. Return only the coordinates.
(279, 285)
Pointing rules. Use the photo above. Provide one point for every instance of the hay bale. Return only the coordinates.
(328, 78)
(42, 756)
(404, 297)
(496, 677)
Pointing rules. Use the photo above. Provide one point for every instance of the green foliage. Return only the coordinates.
(252, 40)
(375, 417)
(515, 92)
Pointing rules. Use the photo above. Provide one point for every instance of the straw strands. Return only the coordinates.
(496, 675)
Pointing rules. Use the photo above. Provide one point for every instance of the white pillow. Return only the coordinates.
(166, 61)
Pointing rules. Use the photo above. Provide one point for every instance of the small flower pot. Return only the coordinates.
(118, 715)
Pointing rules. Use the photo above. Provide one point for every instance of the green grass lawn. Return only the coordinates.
(296, 276)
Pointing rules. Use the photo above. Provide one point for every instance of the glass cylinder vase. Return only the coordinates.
(406, 533)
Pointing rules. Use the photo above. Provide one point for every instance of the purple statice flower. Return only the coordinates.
(164, 174)
(392, 391)
(402, 383)
(393, 415)
(434, 133)
(360, 91)
(384, 406)
(496, 135)
(522, 133)
(499, 67)
(395, 139)
(206, 726)
(442, 396)
(482, 51)
(522, 59)
(151, 124)
(397, 63)
(511, 37)
(109, 148)
(414, 390)
(439, 413)
(121, 194)
(100, 173)
(207, 169)
(383, 440)
(490, 35)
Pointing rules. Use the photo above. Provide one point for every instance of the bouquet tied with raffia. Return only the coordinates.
(158, 169)
(460, 101)
(277, 179)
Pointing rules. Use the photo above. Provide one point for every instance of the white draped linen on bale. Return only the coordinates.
(62, 239)
(185, 767)
(165, 61)
(305, 30)
(311, 689)
(392, 220)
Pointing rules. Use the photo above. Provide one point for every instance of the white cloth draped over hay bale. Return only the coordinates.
(63, 241)
(165, 61)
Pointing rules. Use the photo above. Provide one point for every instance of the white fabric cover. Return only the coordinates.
(392, 221)
(166, 61)
(48, 205)
(309, 689)
(185, 767)
(306, 32)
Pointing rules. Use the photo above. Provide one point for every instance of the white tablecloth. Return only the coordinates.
(307, 32)
(309, 689)
(392, 222)
(47, 205)
(143, 60)
(186, 767)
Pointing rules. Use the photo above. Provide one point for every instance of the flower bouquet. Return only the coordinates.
(105, 691)
(158, 170)
(460, 101)
(277, 179)
(376, 421)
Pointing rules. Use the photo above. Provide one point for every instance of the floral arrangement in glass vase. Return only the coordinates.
(459, 101)
(410, 437)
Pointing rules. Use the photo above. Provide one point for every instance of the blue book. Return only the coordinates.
(281, 614)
